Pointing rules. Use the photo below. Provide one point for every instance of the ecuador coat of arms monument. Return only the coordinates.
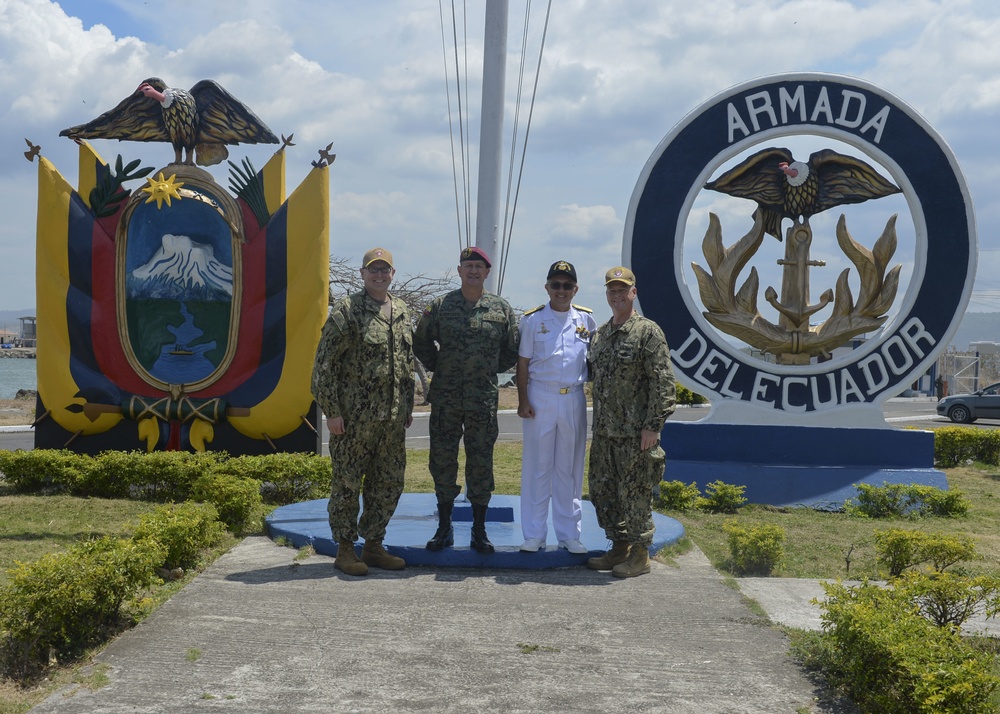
(173, 313)
(797, 380)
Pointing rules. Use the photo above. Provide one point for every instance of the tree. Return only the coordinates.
(416, 291)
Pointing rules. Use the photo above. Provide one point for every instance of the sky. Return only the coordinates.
(371, 76)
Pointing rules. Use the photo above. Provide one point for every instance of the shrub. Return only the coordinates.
(170, 475)
(954, 445)
(898, 549)
(947, 599)
(675, 496)
(64, 601)
(51, 470)
(686, 396)
(937, 502)
(756, 549)
(897, 500)
(943, 551)
(285, 477)
(236, 500)
(721, 498)
(892, 660)
(183, 529)
(890, 500)
(110, 474)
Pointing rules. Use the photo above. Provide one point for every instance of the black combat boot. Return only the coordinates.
(445, 535)
(480, 541)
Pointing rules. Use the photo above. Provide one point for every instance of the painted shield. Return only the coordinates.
(179, 279)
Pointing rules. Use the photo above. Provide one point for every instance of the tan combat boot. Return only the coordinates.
(617, 554)
(378, 557)
(637, 563)
(347, 560)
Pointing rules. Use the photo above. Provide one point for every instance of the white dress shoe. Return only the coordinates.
(573, 546)
(531, 545)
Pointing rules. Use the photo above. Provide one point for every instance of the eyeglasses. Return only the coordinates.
(555, 285)
(382, 269)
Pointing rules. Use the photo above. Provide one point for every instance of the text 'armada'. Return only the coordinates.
(773, 108)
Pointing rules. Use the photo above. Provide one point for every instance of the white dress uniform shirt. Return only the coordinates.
(555, 440)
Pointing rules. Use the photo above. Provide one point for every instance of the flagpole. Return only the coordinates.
(491, 134)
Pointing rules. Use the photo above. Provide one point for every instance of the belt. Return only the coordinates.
(555, 388)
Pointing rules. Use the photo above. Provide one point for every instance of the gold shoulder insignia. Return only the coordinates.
(534, 309)
(581, 308)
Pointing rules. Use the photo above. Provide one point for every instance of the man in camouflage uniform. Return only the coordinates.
(633, 394)
(476, 337)
(363, 380)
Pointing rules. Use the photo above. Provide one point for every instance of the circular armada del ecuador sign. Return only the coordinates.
(803, 381)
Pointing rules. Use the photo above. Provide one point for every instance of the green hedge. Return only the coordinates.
(65, 602)
(283, 478)
(167, 476)
(686, 396)
(43, 470)
(954, 445)
(892, 660)
(183, 530)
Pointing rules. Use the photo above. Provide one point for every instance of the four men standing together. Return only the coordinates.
(363, 381)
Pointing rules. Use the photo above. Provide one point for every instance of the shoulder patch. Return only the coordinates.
(581, 308)
(534, 309)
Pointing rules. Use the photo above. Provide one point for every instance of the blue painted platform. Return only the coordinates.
(415, 521)
(814, 467)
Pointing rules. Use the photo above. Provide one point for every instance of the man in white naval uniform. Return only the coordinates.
(551, 371)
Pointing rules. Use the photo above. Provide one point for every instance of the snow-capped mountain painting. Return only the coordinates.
(182, 269)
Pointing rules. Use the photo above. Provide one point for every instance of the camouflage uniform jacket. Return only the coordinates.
(476, 342)
(634, 386)
(364, 365)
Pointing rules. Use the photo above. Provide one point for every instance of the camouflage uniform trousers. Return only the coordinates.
(478, 427)
(622, 479)
(372, 452)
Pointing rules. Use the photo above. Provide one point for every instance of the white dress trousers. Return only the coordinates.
(555, 440)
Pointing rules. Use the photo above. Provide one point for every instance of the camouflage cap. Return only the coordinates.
(475, 253)
(377, 254)
(621, 274)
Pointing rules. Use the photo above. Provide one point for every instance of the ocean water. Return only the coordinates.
(17, 374)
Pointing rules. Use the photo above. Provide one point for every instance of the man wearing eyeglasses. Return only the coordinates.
(363, 380)
(633, 394)
(551, 371)
(465, 338)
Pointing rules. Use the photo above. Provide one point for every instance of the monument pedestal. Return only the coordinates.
(816, 467)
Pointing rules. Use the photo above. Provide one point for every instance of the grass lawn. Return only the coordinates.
(833, 545)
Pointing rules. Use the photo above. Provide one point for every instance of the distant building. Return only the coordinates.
(985, 348)
(29, 333)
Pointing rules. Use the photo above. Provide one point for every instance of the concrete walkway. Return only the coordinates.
(261, 632)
